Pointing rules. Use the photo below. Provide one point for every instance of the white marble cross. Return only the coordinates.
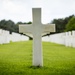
(37, 29)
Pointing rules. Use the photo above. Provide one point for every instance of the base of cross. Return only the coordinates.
(35, 67)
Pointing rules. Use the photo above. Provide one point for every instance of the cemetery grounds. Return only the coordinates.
(16, 59)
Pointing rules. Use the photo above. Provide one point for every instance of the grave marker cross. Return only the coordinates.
(37, 30)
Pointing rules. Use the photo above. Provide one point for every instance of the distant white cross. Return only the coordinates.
(37, 29)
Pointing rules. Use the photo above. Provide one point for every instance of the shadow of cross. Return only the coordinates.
(37, 29)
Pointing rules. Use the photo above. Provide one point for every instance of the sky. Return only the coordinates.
(21, 10)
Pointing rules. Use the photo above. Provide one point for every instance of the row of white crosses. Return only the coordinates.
(6, 37)
(37, 30)
(58, 38)
(15, 37)
(66, 38)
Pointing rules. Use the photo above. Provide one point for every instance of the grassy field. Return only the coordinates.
(16, 59)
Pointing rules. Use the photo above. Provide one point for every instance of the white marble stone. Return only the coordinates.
(37, 29)
(45, 38)
(4, 36)
(66, 38)
(57, 38)
(15, 37)
(73, 39)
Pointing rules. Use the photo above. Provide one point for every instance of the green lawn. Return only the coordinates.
(16, 59)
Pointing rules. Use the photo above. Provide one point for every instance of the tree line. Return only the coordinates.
(10, 25)
(62, 24)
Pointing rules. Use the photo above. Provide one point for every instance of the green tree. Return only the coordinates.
(61, 23)
(29, 22)
(71, 24)
(9, 25)
(2, 23)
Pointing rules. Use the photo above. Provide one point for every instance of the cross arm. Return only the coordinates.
(48, 28)
(25, 28)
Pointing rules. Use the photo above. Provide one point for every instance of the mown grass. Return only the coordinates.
(16, 59)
